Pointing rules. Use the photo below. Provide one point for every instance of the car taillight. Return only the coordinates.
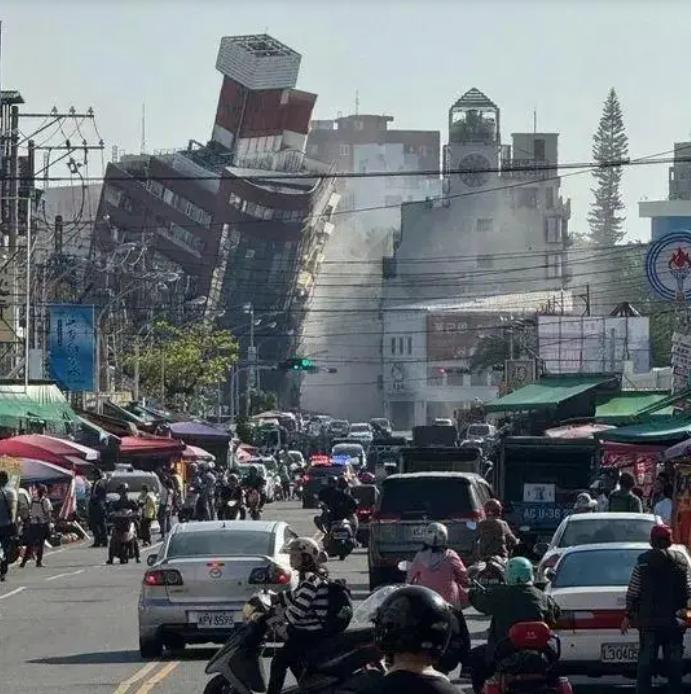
(471, 516)
(271, 575)
(575, 620)
(364, 512)
(163, 577)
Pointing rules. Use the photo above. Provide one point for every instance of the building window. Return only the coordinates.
(553, 229)
(526, 197)
(485, 262)
(393, 345)
(112, 195)
(359, 125)
(155, 188)
(422, 150)
(484, 225)
(436, 376)
(549, 197)
(410, 345)
(539, 150)
(478, 378)
(249, 254)
(554, 265)
(400, 345)
(169, 197)
(454, 377)
(344, 150)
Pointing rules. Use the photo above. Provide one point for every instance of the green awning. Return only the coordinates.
(662, 430)
(624, 407)
(546, 394)
(43, 402)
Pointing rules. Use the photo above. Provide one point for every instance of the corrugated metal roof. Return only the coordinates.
(526, 302)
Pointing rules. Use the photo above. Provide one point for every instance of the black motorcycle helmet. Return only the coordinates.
(413, 619)
(342, 483)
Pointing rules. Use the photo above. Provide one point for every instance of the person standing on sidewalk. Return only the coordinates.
(40, 519)
(97, 510)
(658, 593)
(8, 522)
(147, 500)
(165, 506)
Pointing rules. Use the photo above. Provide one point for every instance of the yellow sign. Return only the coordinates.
(13, 467)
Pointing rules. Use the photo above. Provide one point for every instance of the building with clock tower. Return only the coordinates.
(496, 236)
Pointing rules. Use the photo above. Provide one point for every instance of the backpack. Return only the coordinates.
(340, 610)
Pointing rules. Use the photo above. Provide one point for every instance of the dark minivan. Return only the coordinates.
(407, 505)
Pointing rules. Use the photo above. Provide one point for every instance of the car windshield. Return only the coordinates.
(442, 497)
(219, 543)
(478, 430)
(603, 530)
(598, 567)
(359, 427)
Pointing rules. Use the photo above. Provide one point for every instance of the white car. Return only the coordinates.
(595, 528)
(205, 572)
(589, 584)
(362, 432)
(353, 451)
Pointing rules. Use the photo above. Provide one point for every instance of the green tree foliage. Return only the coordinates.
(262, 401)
(187, 358)
(491, 352)
(610, 143)
(244, 430)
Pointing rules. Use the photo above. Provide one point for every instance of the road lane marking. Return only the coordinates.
(140, 674)
(157, 678)
(69, 573)
(13, 592)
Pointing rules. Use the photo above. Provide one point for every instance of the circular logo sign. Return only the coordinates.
(668, 266)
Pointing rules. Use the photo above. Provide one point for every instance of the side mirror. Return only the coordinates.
(403, 566)
(151, 559)
(540, 549)
(550, 574)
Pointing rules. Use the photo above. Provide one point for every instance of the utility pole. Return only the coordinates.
(136, 368)
(252, 359)
(27, 318)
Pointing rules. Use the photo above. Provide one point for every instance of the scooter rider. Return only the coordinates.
(306, 609)
(123, 503)
(254, 481)
(413, 627)
(231, 490)
(439, 568)
(340, 505)
(518, 601)
(495, 538)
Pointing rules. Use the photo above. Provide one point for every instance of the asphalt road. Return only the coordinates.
(72, 625)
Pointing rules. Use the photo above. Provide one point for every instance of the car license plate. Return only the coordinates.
(213, 620)
(418, 530)
(619, 652)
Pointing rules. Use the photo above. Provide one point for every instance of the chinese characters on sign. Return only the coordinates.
(681, 361)
(454, 336)
(72, 346)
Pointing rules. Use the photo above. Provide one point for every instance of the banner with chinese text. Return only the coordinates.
(71, 346)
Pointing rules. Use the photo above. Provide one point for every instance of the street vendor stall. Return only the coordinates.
(66, 454)
(211, 439)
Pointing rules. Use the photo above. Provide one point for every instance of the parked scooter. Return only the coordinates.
(528, 657)
(339, 664)
(340, 539)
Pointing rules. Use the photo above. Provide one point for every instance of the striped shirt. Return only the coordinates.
(307, 606)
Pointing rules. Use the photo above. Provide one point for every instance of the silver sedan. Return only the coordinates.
(196, 587)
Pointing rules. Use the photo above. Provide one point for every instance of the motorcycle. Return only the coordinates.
(124, 535)
(189, 505)
(254, 504)
(340, 664)
(527, 662)
(340, 539)
(488, 572)
(230, 510)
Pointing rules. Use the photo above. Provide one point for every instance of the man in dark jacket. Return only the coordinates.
(518, 601)
(658, 591)
(623, 499)
(97, 510)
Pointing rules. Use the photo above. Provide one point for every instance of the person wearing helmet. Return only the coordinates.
(658, 593)
(255, 482)
(495, 538)
(230, 490)
(517, 601)
(337, 504)
(413, 628)
(439, 568)
(306, 608)
(585, 504)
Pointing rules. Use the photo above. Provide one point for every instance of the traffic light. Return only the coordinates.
(298, 364)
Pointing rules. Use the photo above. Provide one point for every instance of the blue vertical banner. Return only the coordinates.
(72, 346)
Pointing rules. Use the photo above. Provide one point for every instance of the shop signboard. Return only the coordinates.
(681, 508)
(72, 346)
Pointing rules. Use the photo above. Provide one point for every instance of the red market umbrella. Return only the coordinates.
(49, 449)
(157, 446)
(195, 454)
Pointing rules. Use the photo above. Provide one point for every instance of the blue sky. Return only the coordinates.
(406, 59)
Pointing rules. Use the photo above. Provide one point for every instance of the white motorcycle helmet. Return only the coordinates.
(304, 551)
(436, 536)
